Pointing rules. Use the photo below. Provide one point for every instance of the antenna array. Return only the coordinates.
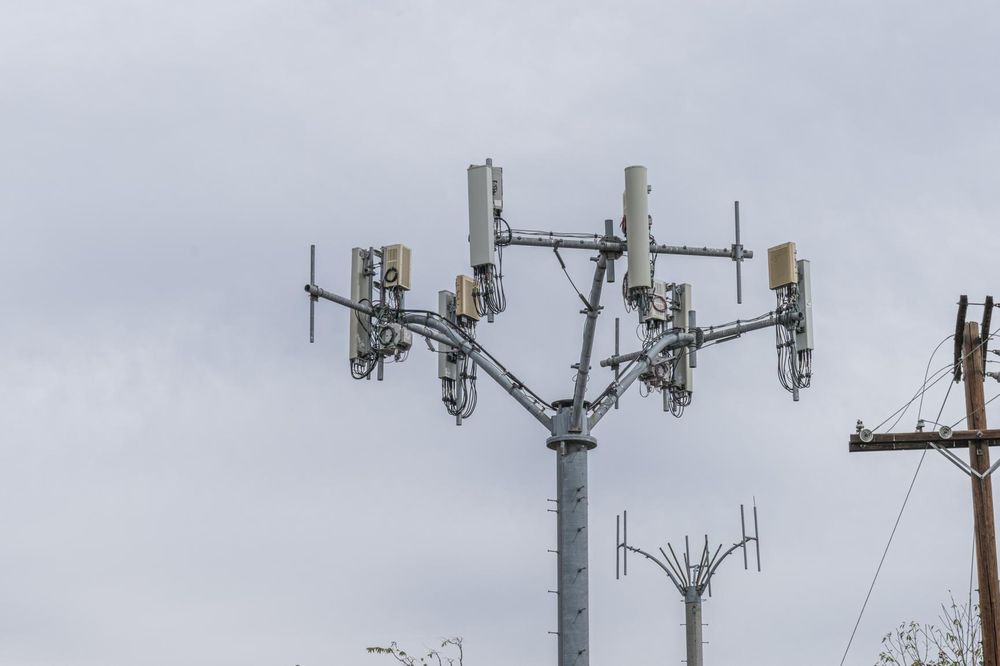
(381, 329)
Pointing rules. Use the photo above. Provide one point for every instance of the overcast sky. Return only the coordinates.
(185, 480)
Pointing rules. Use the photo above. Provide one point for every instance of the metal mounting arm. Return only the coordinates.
(740, 327)
(444, 332)
(716, 560)
(583, 369)
(616, 245)
(720, 333)
(656, 560)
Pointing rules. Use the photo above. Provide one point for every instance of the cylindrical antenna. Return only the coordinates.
(756, 534)
(738, 256)
(312, 299)
(637, 227)
(743, 529)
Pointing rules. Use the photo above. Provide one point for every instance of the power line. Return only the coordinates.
(920, 408)
(884, 553)
(916, 472)
(938, 377)
(976, 411)
(893, 532)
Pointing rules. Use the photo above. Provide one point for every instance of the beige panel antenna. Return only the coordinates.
(465, 301)
(781, 268)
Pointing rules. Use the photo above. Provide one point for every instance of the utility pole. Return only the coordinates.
(691, 579)
(982, 493)
(382, 329)
(970, 350)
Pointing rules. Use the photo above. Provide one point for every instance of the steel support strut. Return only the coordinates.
(583, 367)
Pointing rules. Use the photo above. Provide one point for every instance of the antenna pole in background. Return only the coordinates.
(692, 580)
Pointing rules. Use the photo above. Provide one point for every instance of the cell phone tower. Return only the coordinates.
(692, 579)
(382, 328)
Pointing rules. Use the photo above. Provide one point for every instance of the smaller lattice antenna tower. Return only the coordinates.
(691, 578)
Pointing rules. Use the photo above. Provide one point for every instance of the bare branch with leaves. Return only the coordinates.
(954, 643)
(449, 654)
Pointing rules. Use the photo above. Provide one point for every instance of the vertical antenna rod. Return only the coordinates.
(618, 545)
(312, 299)
(743, 530)
(738, 256)
(756, 533)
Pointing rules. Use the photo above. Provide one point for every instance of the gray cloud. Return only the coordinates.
(184, 479)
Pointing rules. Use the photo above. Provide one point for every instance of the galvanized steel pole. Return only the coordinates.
(692, 627)
(572, 549)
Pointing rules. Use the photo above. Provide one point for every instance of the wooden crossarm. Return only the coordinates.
(915, 441)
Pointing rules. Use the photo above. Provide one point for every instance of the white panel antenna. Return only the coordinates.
(804, 332)
(361, 290)
(396, 267)
(447, 367)
(482, 239)
(684, 304)
(485, 241)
